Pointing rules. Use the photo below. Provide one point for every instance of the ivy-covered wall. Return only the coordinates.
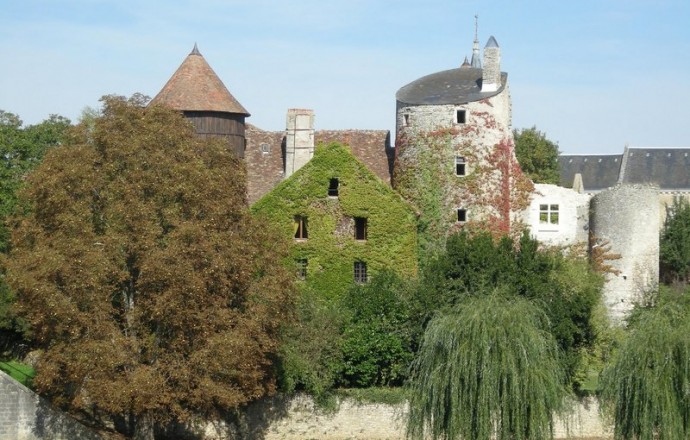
(330, 247)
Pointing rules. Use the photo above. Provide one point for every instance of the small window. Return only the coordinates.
(301, 228)
(460, 116)
(265, 148)
(406, 120)
(548, 214)
(333, 187)
(360, 228)
(460, 166)
(462, 215)
(302, 268)
(360, 272)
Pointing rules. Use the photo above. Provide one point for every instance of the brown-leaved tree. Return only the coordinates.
(153, 293)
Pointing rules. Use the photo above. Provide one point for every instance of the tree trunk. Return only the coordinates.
(143, 428)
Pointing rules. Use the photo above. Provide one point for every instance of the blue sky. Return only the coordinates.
(593, 75)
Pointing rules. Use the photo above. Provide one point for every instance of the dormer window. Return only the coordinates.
(461, 116)
(333, 187)
(301, 227)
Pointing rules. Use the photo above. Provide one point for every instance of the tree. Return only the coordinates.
(486, 370)
(645, 388)
(537, 155)
(152, 291)
(21, 149)
(674, 243)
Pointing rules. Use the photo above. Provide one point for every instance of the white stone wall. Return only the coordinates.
(573, 216)
(627, 218)
(299, 140)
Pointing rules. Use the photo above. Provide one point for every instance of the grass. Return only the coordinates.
(20, 372)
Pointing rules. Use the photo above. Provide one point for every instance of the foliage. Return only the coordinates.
(152, 291)
(674, 243)
(486, 370)
(21, 149)
(20, 372)
(381, 395)
(645, 388)
(565, 287)
(331, 248)
(381, 335)
(311, 356)
(537, 155)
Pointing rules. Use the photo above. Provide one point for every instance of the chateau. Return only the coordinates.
(452, 165)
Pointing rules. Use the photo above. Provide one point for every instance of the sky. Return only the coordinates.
(593, 75)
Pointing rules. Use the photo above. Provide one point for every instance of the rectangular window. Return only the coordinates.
(548, 214)
(360, 272)
(459, 166)
(406, 120)
(460, 117)
(333, 186)
(360, 228)
(301, 228)
(302, 268)
(462, 215)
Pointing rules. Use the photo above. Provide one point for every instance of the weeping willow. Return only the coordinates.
(489, 370)
(646, 390)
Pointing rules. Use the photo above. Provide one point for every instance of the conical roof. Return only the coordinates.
(196, 87)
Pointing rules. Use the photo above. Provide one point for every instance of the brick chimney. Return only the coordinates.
(299, 142)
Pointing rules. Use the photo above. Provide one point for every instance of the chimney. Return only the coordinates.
(491, 75)
(299, 142)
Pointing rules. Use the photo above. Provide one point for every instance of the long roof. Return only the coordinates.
(196, 87)
(454, 86)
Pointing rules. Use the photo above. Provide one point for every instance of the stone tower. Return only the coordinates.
(455, 125)
(196, 91)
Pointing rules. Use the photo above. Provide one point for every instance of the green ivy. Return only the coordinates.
(331, 248)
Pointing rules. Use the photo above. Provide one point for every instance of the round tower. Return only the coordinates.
(626, 219)
(456, 126)
(196, 91)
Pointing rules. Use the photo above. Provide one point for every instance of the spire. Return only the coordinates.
(465, 64)
(476, 60)
(195, 51)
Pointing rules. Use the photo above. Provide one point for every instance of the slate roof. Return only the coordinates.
(669, 168)
(598, 171)
(454, 86)
(196, 87)
(265, 155)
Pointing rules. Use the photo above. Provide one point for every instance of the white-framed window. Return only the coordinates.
(360, 272)
(265, 148)
(461, 215)
(548, 213)
(460, 166)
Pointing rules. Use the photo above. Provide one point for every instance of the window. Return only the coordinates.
(301, 268)
(462, 215)
(406, 120)
(460, 166)
(460, 116)
(360, 272)
(333, 187)
(265, 148)
(301, 228)
(360, 228)
(548, 214)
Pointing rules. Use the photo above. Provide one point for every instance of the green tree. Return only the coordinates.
(486, 370)
(674, 243)
(645, 388)
(21, 149)
(537, 155)
(152, 291)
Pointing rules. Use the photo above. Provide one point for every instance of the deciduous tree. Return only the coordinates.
(674, 243)
(537, 155)
(153, 293)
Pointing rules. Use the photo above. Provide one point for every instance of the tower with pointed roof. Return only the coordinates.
(456, 125)
(196, 91)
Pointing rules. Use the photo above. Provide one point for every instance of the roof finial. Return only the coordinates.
(476, 59)
(195, 51)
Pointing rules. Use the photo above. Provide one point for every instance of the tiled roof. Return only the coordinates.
(598, 172)
(196, 87)
(454, 86)
(265, 155)
(669, 168)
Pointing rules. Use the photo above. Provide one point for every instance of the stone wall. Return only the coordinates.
(572, 225)
(25, 416)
